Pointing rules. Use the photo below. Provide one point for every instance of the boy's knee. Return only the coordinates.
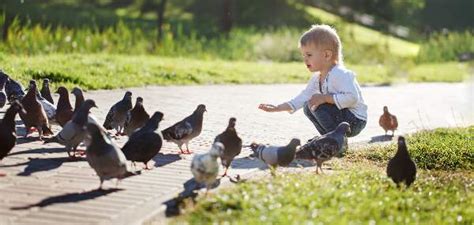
(326, 107)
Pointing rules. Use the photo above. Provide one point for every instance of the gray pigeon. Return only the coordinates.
(105, 157)
(144, 143)
(205, 167)
(118, 114)
(13, 89)
(138, 117)
(232, 144)
(401, 167)
(74, 131)
(275, 156)
(185, 130)
(45, 92)
(3, 96)
(323, 148)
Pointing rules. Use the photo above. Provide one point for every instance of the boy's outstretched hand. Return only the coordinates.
(268, 107)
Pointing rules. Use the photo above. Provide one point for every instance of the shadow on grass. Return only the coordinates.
(69, 198)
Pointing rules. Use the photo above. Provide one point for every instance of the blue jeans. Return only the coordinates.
(327, 116)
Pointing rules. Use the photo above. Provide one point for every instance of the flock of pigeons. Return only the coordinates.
(37, 111)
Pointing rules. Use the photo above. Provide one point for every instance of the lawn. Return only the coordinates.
(358, 191)
(109, 71)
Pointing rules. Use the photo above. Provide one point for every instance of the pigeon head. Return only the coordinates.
(76, 91)
(217, 149)
(232, 121)
(128, 95)
(201, 108)
(89, 103)
(61, 90)
(32, 84)
(343, 128)
(385, 109)
(402, 147)
(157, 116)
(254, 146)
(140, 100)
(46, 82)
(294, 143)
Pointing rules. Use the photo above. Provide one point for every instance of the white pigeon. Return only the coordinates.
(205, 167)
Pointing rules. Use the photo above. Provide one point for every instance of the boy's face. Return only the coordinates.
(316, 59)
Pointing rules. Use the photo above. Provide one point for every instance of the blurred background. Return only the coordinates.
(388, 39)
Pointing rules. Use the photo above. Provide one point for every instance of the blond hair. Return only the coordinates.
(325, 36)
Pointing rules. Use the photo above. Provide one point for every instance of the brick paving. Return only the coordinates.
(43, 186)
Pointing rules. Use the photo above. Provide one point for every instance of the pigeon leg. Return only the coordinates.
(187, 149)
(2, 174)
(225, 172)
(40, 133)
(181, 149)
(146, 166)
(100, 186)
(27, 131)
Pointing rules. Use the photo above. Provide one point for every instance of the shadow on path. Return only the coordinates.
(69, 198)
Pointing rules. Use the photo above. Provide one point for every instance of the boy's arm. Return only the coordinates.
(272, 108)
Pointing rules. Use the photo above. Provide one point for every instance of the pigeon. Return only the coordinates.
(105, 157)
(144, 143)
(205, 167)
(77, 92)
(275, 156)
(232, 144)
(35, 115)
(64, 109)
(183, 131)
(7, 128)
(401, 167)
(74, 131)
(323, 148)
(118, 114)
(3, 95)
(388, 121)
(45, 92)
(13, 89)
(49, 108)
(138, 117)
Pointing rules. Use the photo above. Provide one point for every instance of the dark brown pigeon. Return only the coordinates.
(388, 121)
(7, 129)
(275, 156)
(74, 131)
(401, 167)
(64, 109)
(3, 95)
(138, 117)
(105, 157)
(35, 115)
(185, 130)
(77, 92)
(118, 114)
(144, 143)
(323, 148)
(45, 92)
(232, 144)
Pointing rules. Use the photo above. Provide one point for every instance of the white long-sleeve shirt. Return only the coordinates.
(341, 84)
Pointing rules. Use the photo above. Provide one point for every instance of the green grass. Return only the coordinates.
(358, 192)
(441, 72)
(439, 149)
(109, 71)
(364, 35)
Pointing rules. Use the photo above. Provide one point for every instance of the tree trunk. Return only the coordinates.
(161, 13)
(226, 19)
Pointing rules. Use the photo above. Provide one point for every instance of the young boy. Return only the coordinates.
(332, 95)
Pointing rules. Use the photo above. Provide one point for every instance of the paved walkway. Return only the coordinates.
(44, 187)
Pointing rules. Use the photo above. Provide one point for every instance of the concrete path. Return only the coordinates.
(43, 186)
